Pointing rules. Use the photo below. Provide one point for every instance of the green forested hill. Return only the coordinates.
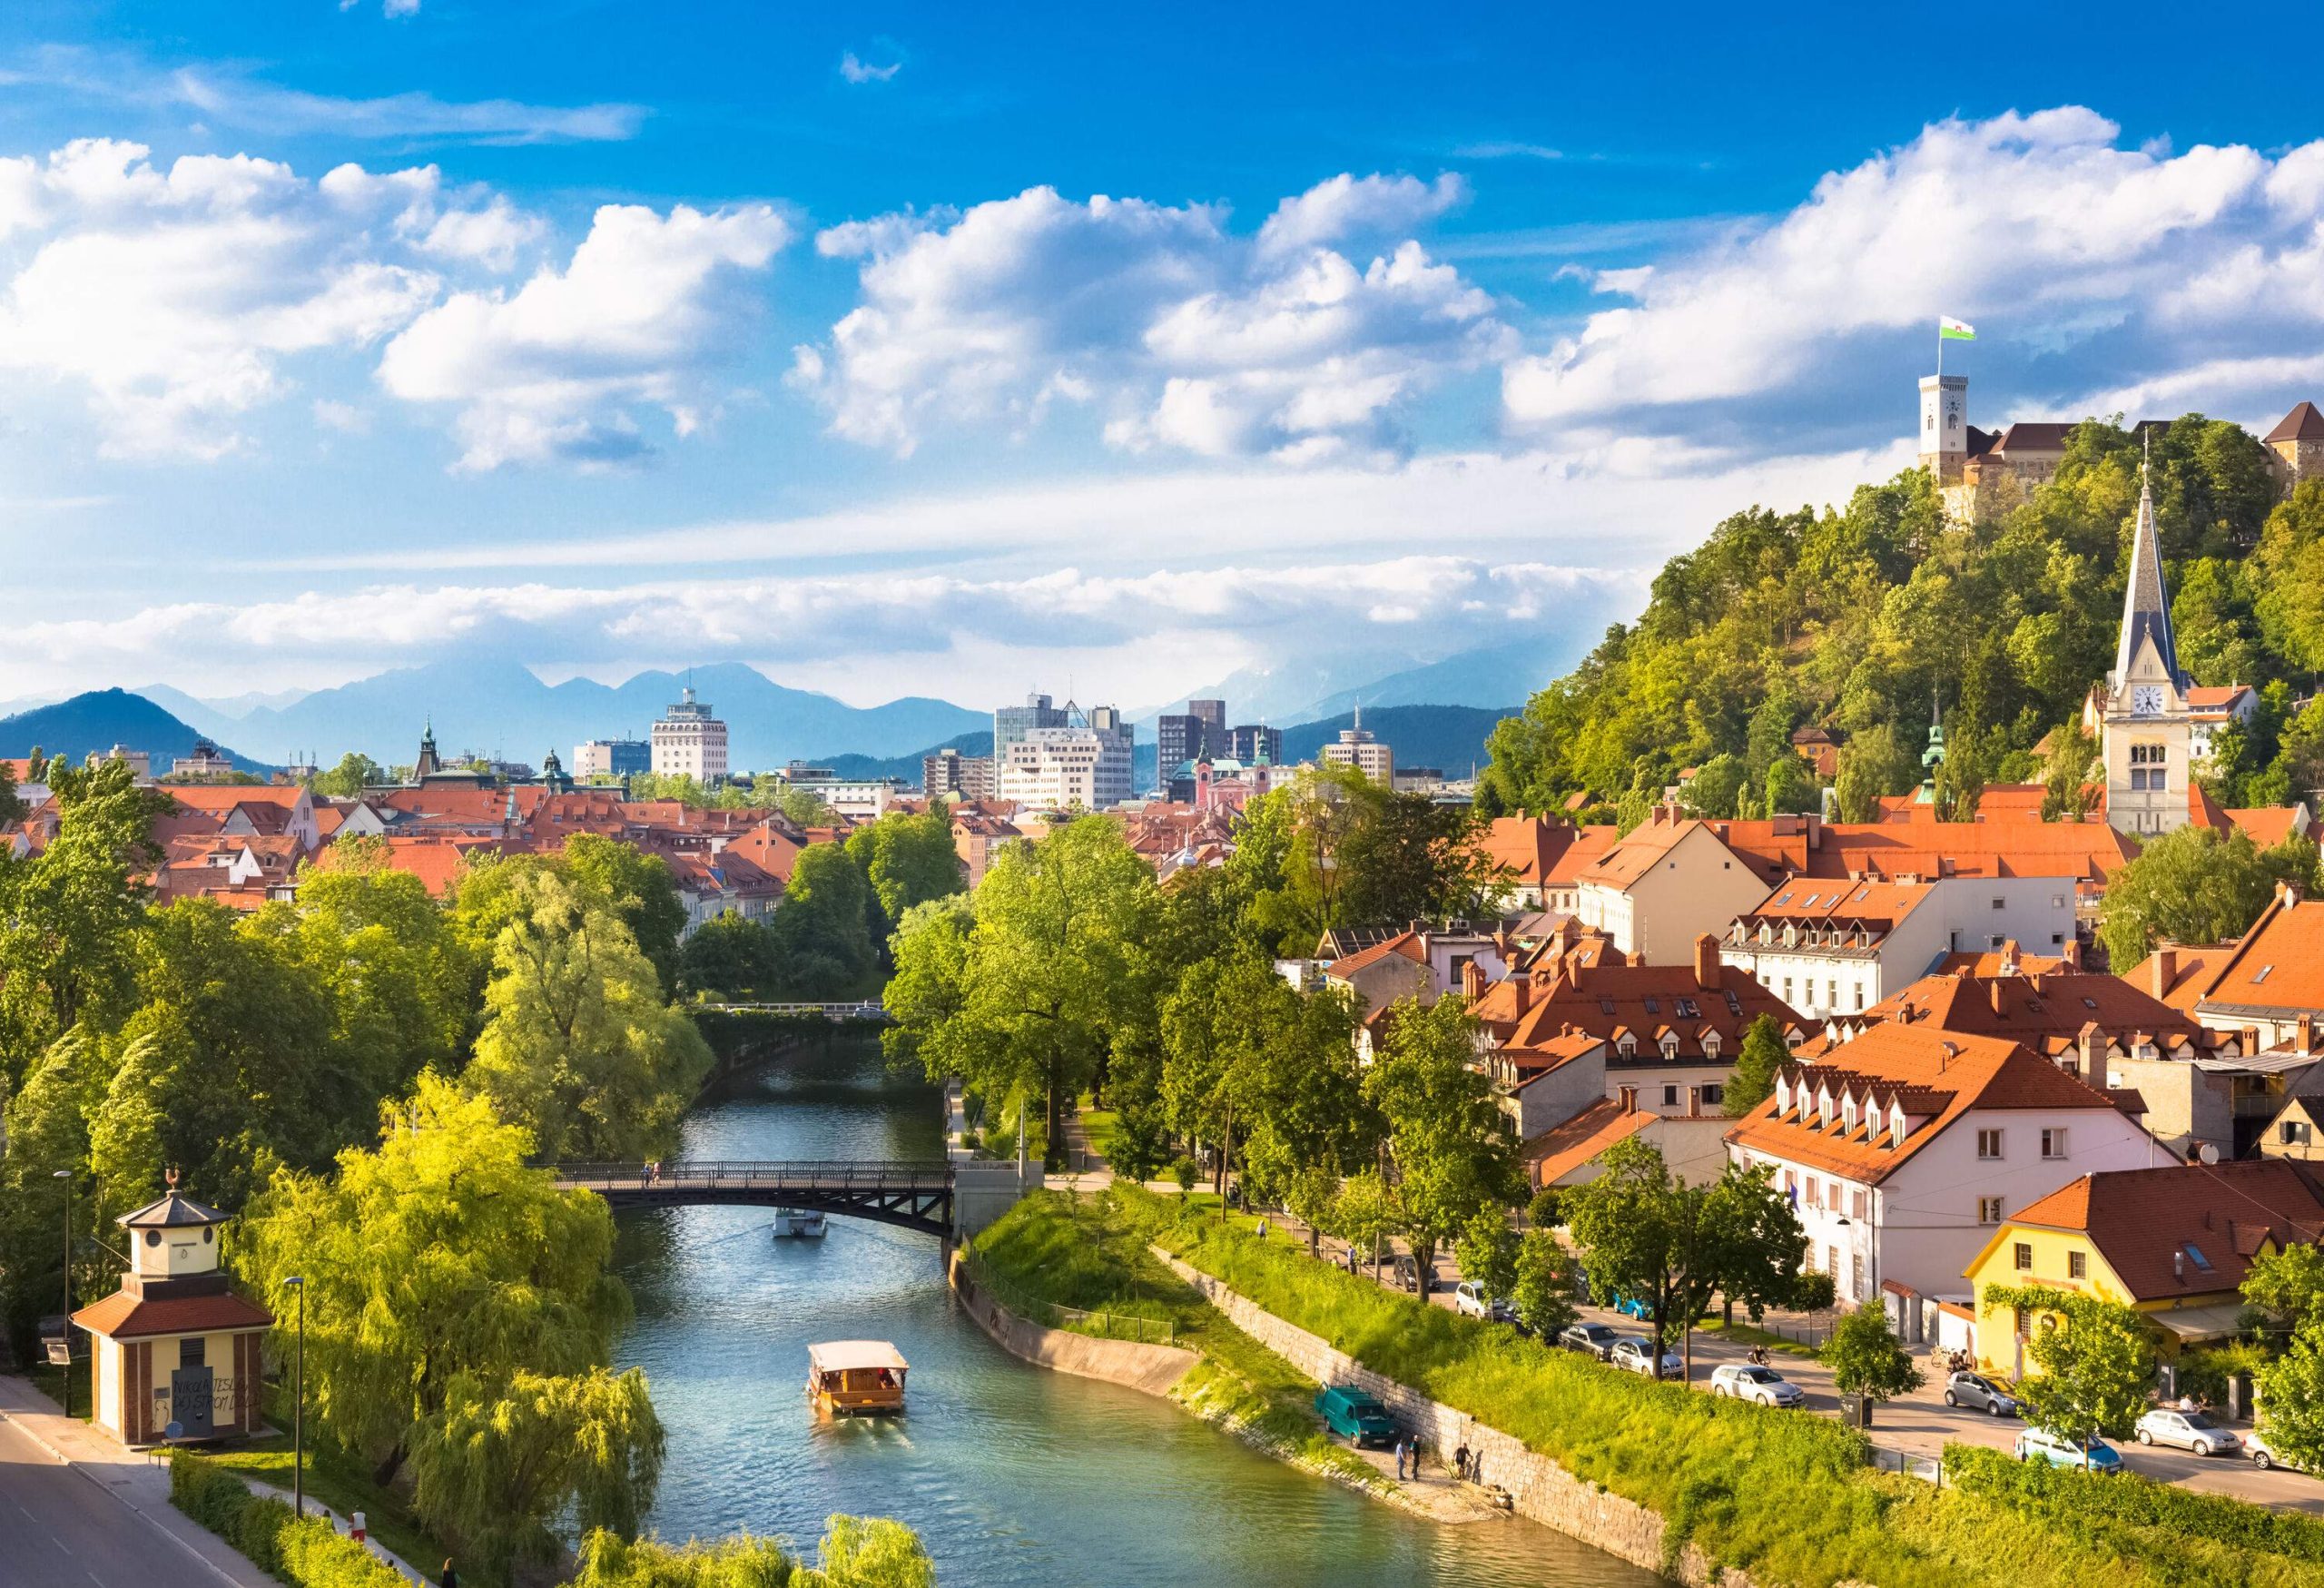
(1856, 619)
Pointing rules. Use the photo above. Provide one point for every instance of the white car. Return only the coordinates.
(1745, 1382)
(2255, 1445)
(1637, 1357)
(1469, 1300)
(2186, 1430)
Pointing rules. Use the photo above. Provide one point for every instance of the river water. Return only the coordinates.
(1013, 1475)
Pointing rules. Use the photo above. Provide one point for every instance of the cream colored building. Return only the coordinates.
(176, 1355)
(1669, 881)
(689, 742)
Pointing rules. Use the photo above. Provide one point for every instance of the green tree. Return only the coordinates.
(578, 1048)
(1365, 1212)
(2292, 1400)
(2093, 1361)
(507, 1460)
(1875, 763)
(824, 928)
(732, 957)
(1026, 999)
(2068, 792)
(908, 859)
(2286, 1284)
(354, 774)
(1868, 1359)
(1487, 1252)
(856, 1553)
(638, 887)
(1444, 1135)
(2196, 886)
(436, 1260)
(1764, 1051)
(1717, 783)
(1543, 1287)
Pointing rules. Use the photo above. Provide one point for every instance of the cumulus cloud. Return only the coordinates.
(1179, 332)
(174, 297)
(2094, 272)
(555, 370)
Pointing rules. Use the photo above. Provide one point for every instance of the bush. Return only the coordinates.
(307, 1554)
(2130, 1502)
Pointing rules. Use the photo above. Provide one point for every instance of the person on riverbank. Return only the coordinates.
(451, 1579)
(1461, 1462)
(1400, 1458)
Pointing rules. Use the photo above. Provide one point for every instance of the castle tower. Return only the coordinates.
(2297, 443)
(2147, 729)
(1945, 427)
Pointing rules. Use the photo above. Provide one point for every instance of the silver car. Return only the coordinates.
(1747, 1382)
(1637, 1357)
(2186, 1430)
(1980, 1394)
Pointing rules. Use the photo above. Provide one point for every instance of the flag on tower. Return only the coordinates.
(1954, 331)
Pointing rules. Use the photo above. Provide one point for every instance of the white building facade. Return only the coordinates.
(690, 742)
(1060, 768)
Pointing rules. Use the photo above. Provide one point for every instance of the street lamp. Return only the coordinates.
(66, 1176)
(299, 1406)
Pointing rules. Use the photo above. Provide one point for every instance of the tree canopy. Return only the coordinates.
(2197, 886)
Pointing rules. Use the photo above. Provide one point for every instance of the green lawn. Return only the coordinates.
(1744, 1334)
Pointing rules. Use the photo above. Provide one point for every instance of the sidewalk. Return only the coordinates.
(140, 1481)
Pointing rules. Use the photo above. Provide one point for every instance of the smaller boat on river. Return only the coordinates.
(804, 1223)
(851, 1378)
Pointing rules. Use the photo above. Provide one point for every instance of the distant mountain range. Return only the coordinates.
(503, 710)
(101, 719)
(1313, 690)
(1450, 738)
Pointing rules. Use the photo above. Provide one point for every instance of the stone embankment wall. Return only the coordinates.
(1539, 1487)
(1152, 1368)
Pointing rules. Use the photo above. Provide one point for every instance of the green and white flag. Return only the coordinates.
(1954, 331)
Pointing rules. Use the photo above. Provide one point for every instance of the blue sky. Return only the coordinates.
(961, 350)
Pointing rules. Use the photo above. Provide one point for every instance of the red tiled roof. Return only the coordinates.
(2192, 972)
(1938, 1075)
(1606, 1000)
(2150, 1224)
(2047, 1012)
(1536, 849)
(1406, 944)
(2303, 423)
(1561, 1150)
(2085, 851)
(2278, 965)
(123, 1316)
(2269, 825)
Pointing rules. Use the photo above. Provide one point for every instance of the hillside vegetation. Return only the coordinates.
(1858, 619)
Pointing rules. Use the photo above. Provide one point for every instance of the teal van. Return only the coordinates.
(1354, 1415)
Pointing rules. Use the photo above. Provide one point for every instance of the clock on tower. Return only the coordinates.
(2146, 700)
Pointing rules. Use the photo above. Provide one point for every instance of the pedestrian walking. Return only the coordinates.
(1400, 1458)
(451, 1579)
(1461, 1462)
(1477, 1469)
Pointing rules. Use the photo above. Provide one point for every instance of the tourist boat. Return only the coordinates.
(806, 1223)
(850, 1378)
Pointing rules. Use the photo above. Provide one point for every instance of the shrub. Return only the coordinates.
(307, 1554)
(2129, 1501)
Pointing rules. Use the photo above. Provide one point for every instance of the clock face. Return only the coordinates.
(2146, 700)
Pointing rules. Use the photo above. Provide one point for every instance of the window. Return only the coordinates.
(2053, 1142)
(1832, 1261)
(1855, 1276)
(1787, 990)
(1714, 1093)
(1860, 998)
(1686, 1007)
(1653, 1006)
(190, 1351)
(2195, 1256)
(1669, 1096)
(2294, 1132)
(1858, 1200)
(1814, 1198)
(2021, 1257)
(1605, 1006)
(2057, 900)
(1989, 1209)
(1989, 1144)
(1999, 903)
(1832, 993)
(2077, 1266)
(2261, 974)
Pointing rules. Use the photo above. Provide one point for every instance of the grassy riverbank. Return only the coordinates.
(1091, 1254)
(1783, 1496)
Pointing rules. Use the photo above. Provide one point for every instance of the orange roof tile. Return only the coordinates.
(2186, 1229)
(125, 1316)
(1558, 1151)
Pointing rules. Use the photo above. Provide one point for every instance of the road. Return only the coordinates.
(60, 1530)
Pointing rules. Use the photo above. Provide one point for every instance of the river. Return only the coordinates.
(1013, 1475)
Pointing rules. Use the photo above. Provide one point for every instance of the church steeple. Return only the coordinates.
(2146, 604)
(427, 765)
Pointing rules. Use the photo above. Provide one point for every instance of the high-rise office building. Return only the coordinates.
(1012, 722)
(612, 758)
(1360, 750)
(690, 742)
(1177, 740)
(1245, 741)
(950, 774)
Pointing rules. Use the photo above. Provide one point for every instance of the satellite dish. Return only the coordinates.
(2207, 1153)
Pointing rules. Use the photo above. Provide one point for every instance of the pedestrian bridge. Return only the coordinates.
(863, 1009)
(914, 1194)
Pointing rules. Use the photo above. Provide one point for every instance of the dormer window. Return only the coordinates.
(1783, 1095)
(1847, 1112)
(1896, 1126)
(1710, 1044)
(1627, 1047)
(1669, 1046)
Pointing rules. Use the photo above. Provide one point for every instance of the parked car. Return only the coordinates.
(1637, 1356)
(1469, 1300)
(1743, 1381)
(2092, 1455)
(1631, 1306)
(1980, 1394)
(2188, 1430)
(2255, 1445)
(1592, 1339)
(1408, 1275)
(1354, 1415)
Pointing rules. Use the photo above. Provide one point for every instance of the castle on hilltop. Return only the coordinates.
(1984, 473)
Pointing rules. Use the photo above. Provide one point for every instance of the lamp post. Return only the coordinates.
(298, 1406)
(66, 1176)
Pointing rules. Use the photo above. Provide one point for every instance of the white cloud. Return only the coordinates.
(173, 298)
(343, 416)
(2091, 270)
(859, 70)
(1177, 331)
(256, 106)
(555, 370)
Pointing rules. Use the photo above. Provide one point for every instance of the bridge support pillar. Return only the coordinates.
(984, 1189)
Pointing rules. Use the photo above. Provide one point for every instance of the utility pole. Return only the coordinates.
(299, 1406)
(66, 1176)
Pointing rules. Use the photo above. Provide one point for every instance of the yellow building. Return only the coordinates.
(176, 1354)
(2173, 1244)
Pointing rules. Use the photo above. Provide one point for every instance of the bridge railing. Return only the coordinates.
(746, 1174)
(1112, 1326)
(867, 1009)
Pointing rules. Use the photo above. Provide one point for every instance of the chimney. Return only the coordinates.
(2303, 1040)
(2166, 969)
(1705, 960)
(2009, 956)
(1472, 980)
(1629, 1099)
(1995, 991)
(2071, 953)
(1951, 1050)
(1521, 994)
(2179, 1266)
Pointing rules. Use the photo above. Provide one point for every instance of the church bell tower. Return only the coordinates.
(2147, 729)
